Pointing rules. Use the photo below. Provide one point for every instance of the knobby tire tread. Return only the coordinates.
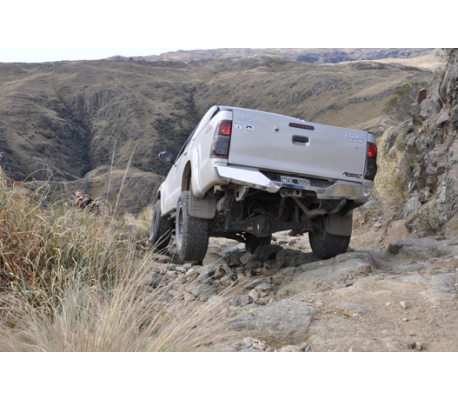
(195, 233)
(331, 246)
(161, 237)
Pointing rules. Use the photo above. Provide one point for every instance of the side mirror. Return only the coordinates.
(166, 156)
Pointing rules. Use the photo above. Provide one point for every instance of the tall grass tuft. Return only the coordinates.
(71, 281)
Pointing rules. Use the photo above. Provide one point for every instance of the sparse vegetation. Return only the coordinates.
(74, 282)
(388, 185)
(402, 99)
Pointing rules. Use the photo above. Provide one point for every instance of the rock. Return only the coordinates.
(371, 204)
(405, 320)
(285, 319)
(444, 117)
(233, 260)
(203, 278)
(280, 276)
(154, 279)
(305, 258)
(172, 274)
(351, 309)
(257, 344)
(248, 342)
(405, 305)
(428, 109)
(245, 300)
(228, 280)
(206, 270)
(412, 334)
(203, 291)
(422, 95)
(219, 272)
(445, 248)
(192, 274)
(287, 257)
(396, 230)
(163, 259)
(187, 267)
(411, 345)
(255, 295)
(264, 287)
(228, 349)
(272, 264)
(266, 253)
(188, 297)
(253, 265)
(323, 275)
(307, 349)
(293, 349)
(419, 346)
(219, 301)
(417, 249)
(212, 259)
(235, 303)
(245, 258)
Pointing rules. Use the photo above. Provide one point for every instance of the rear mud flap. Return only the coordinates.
(202, 208)
(339, 225)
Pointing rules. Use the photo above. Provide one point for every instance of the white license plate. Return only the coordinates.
(295, 181)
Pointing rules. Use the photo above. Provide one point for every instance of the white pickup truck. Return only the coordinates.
(245, 174)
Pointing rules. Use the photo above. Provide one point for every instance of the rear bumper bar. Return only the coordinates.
(253, 178)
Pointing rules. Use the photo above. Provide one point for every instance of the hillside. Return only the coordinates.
(59, 121)
(309, 55)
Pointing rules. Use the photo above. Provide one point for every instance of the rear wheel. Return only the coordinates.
(161, 230)
(191, 232)
(325, 245)
(253, 242)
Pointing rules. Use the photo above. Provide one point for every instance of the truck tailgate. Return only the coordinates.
(278, 143)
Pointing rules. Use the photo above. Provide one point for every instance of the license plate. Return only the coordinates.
(295, 181)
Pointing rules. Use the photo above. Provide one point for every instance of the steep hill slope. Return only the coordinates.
(59, 121)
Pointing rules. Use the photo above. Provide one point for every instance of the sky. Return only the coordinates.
(51, 30)
(38, 55)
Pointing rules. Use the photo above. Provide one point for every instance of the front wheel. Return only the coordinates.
(325, 245)
(191, 232)
(161, 230)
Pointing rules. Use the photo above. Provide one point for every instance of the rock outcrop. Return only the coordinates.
(400, 298)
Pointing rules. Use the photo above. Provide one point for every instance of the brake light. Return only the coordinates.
(371, 150)
(300, 126)
(371, 162)
(225, 128)
(221, 140)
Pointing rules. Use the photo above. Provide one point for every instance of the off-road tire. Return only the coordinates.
(253, 242)
(161, 230)
(191, 232)
(325, 245)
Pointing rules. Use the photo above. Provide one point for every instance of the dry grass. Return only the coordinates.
(387, 185)
(75, 282)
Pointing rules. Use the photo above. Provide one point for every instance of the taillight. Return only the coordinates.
(371, 150)
(221, 140)
(371, 162)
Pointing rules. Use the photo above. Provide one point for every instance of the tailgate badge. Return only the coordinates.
(249, 128)
(355, 138)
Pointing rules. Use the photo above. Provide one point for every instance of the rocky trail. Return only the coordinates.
(282, 298)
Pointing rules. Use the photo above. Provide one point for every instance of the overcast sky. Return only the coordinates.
(51, 30)
(46, 54)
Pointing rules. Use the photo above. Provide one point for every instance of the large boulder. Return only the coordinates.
(266, 253)
(286, 320)
(334, 273)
